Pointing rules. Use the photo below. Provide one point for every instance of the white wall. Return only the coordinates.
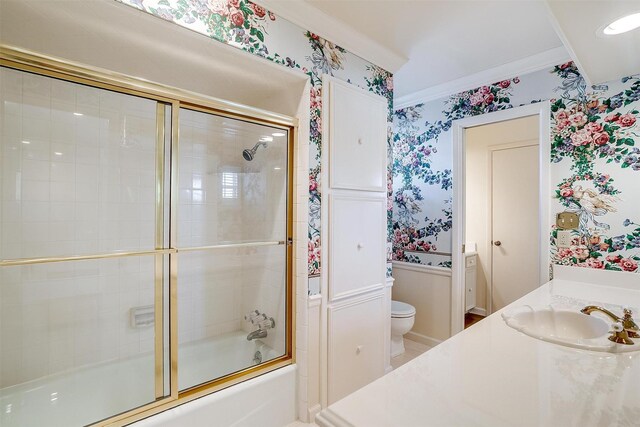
(117, 38)
(477, 170)
(428, 289)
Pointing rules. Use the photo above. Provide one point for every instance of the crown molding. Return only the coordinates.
(509, 70)
(565, 41)
(308, 17)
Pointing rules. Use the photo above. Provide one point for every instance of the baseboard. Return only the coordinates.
(478, 311)
(313, 411)
(388, 369)
(422, 339)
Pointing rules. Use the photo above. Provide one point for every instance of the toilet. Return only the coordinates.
(402, 317)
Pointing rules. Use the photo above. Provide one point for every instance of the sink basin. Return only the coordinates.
(566, 327)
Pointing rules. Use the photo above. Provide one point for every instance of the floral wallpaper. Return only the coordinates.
(252, 28)
(597, 135)
(595, 166)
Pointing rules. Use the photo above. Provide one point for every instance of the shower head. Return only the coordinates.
(249, 153)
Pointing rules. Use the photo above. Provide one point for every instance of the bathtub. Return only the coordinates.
(84, 395)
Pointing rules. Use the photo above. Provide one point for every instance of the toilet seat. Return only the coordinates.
(402, 310)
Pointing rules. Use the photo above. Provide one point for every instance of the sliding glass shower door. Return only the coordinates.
(78, 238)
(145, 249)
(231, 240)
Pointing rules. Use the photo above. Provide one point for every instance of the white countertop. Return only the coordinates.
(491, 375)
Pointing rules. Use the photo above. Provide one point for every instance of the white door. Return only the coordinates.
(515, 223)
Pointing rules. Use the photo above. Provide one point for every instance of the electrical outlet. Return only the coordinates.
(564, 239)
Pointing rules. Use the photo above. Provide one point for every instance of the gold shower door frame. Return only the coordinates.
(22, 60)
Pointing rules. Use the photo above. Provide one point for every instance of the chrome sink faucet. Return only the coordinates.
(625, 327)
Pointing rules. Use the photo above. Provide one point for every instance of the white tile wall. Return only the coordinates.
(78, 177)
(60, 316)
(78, 169)
(210, 148)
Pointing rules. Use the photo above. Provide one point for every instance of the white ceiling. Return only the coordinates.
(446, 40)
(600, 58)
(434, 47)
(437, 47)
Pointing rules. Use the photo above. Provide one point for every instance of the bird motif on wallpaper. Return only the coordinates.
(588, 203)
(594, 202)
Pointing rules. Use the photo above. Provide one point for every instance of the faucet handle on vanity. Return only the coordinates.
(629, 324)
(623, 327)
(619, 334)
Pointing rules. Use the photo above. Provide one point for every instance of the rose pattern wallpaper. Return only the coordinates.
(595, 166)
(252, 28)
(419, 168)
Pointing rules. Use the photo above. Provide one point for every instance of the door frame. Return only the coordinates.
(543, 111)
(490, 150)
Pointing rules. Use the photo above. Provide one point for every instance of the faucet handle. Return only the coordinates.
(267, 323)
(629, 324)
(250, 316)
(257, 320)
(619, 334)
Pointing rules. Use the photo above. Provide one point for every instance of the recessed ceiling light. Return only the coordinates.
(57, 153)
(276, 168)
(78, 114)
(278, 134)
(26, 142)
(622, 25)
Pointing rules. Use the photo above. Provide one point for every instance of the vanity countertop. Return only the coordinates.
(491, 375)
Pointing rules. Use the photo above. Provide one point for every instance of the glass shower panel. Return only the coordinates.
(225, 198)
(78, 179)
(71, 352)
(231, 237)
(217, 288)
(78, 168)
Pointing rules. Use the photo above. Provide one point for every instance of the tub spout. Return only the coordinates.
(258, 333)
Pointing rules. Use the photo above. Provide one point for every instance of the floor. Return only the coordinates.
(301, 424)
(471, 319)
(412, 350)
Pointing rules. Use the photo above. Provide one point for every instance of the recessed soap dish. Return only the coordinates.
(141, 317)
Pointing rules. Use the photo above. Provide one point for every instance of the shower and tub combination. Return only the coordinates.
(141, 230)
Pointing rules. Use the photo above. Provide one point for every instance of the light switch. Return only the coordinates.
(567, 221)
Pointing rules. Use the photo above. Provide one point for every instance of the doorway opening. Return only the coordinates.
(500, 211)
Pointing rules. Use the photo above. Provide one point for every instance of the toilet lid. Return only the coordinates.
(402, 309)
